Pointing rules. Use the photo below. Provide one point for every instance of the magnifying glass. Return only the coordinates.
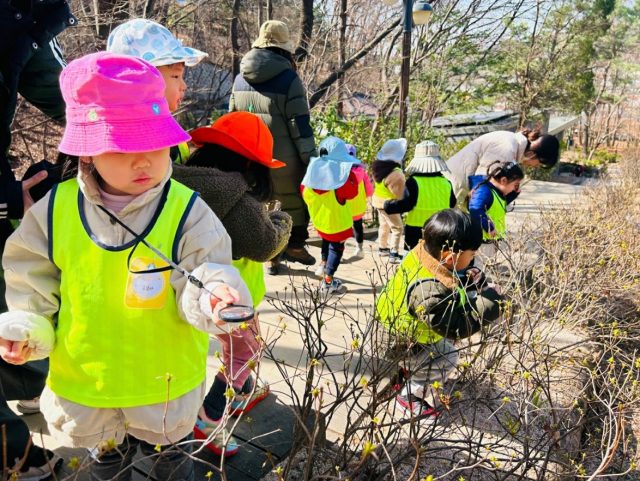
(235, 312)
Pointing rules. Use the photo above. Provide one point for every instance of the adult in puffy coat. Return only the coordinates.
(531, 148)
(30, 64)
(269, 87)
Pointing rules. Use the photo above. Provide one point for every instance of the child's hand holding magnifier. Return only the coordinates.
(223, 304)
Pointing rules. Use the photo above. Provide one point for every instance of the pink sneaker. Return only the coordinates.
(242, 404)
(205, 427)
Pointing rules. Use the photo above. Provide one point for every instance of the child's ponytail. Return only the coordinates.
(532, 134)
(498, 170)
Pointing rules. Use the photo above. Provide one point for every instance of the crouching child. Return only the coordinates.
(435, 298)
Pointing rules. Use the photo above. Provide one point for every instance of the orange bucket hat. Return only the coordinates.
(242, 132)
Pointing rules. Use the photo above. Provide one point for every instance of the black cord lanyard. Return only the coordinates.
(231, 313)
(172, 265)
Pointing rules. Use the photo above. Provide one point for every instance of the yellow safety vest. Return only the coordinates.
(252, 274)
(434, 194)
(358, 205)
(393, 306)
(327, 214)
(382, 191)
(119, 334)
(183, 153)
(497, 214)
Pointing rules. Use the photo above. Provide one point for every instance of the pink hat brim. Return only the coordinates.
(95, 138)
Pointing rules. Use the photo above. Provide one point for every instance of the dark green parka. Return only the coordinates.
(268, 87)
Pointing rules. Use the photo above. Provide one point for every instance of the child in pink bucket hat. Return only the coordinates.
(127, 335)
(116, 104)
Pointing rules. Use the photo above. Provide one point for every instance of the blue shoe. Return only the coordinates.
(331, 287)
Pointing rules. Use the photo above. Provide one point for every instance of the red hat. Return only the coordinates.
(242, 132)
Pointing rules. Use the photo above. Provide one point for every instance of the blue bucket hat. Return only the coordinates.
(331, 169)
(152, 42)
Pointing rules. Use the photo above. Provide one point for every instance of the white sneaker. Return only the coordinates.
(359, 252)
(320, 270)
(29, 406)
(417, 408)
(331, 287)
(395, 258)
(37, 473)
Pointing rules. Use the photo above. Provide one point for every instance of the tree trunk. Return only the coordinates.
(306, 29)
(607, 127)
(235, 46)
(108, 14)
(342, 53)
(585, 136)
(149, 8)
(260, 12)
(269, 9)
(331, 79)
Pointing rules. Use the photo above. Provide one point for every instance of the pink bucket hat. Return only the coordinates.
(116, 103)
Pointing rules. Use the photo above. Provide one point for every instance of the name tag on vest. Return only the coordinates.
(147, 290)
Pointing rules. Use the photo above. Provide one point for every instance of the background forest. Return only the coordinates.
(567, 56)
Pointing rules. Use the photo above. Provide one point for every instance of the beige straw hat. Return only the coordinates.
(427, 159)
(274, 33)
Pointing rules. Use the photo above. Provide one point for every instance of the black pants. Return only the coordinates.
(332, 254)
(358, 231)
(300, 233)
(168, 464)
(17, 432)
(22, 382)
(299, 236)
(412, 236)
(19, 382)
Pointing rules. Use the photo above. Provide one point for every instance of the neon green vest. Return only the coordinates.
(497, 213)
(183, 153)
(253, 276)
(382, 190)
(119, 334)
(358, 205)
(392, 304)
(434, 194)
(327, 214)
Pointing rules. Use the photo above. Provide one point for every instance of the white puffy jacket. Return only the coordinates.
(476, 156)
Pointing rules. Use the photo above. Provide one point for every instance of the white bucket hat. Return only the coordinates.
(393, 150)
(331, 169)
(152, 42)
(427, 159)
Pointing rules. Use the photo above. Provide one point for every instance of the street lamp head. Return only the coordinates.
(389, 2)
(421, 12)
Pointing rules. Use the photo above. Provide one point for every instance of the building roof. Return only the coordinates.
(456, 128)
(473, 118)
(561, 123)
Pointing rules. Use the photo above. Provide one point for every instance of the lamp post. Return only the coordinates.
(417, 13)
